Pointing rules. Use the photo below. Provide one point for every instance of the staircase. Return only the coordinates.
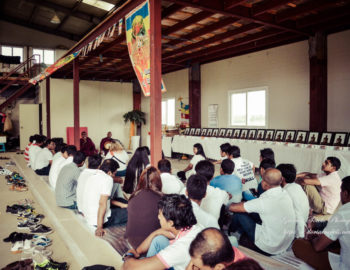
(19, 76)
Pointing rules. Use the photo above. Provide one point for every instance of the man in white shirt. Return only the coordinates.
(43, 159)
(276, 231)
(93, 163)
(298, 196)
(67, 158)
(196, 188)
(224, 152)
(96, 203)
(178, 223)
(323, 190)
(170, 183)
(244, 169)
(215, 197)
(34, 149)
(318, 252)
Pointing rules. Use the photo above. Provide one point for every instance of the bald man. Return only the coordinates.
(268, 222)
(211, 249)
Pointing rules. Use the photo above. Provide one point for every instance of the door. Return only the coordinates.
(28, 122)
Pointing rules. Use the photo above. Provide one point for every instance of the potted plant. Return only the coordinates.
(136, 118)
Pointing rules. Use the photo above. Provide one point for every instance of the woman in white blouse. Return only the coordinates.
(117, 152)
(198, 156)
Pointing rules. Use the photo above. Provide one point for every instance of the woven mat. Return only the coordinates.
(115, 236)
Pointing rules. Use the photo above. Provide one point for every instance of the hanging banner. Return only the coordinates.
(185, 114)
(120, 27)
(137, 24)
(51, 69)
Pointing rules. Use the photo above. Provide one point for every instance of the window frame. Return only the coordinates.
(166, 99)
(246, 91)
(43, 50)
(12, 47)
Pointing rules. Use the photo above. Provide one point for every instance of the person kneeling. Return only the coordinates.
(179, 224)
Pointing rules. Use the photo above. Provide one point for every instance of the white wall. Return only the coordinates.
(339, 81)
(102, 105)
(284, 70)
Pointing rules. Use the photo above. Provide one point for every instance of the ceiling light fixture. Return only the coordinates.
(99, 4)
(55, 19)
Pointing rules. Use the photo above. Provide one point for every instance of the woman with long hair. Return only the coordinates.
(117, 152)
(142, 207)
(136, 165)
(198, 156)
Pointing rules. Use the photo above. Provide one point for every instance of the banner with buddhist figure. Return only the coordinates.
(137, 24)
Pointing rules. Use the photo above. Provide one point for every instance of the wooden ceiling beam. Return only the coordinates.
(56, 7)
(216, 38)
(32, 15)
(70, 13)
(171, 10)
(258, 45)
(228, 4)
(39, 27)
(237, 12)
(228, 45)
(323, 17)
(205, 30)
(304, 8)
(182, 24)
(262, 7)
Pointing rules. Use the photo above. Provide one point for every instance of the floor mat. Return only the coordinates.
(115, 236)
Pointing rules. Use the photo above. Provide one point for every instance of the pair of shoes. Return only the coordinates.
(30, 216)
(27, 224)
(11, 181)
(24, 264)
(19, 187)
(42, 242)
(5, 172)
(40, 229)
(15, 236)
(50, 264)
(19, 246)
(15, 208)
(15, 175)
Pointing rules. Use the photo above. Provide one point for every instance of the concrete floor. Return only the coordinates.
(8, 224)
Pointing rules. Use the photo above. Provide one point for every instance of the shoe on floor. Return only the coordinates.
(41, 229)
(27, 224)
(17, 247)
(50, 264)
(23, 264)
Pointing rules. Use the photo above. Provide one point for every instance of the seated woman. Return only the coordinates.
(136, 165)
(198, 156)
(142, 207)
(117, 152)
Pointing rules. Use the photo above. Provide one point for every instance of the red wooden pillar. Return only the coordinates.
(48, 108)
(76, 103)
(156, 74)
(195, 95)
(318, 82)
(136, 94)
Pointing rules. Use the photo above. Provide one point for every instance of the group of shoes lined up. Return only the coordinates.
(32, 246)
(16, 182)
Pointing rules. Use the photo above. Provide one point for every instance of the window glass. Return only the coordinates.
(256, 108)
(171, 112)
(49, 57)
(18, 52)
(238, 109)
(5, 50)
(39, 55)
(164, 118)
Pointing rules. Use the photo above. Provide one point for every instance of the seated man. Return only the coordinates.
(269, 230)
(318, 252)
(215, 197)
(244, 169)
(93, 163)
(178, 223)
(224, 152)
(267, 153)
(67, 157)
(43, 159)
(96, 201)
(170, 183)
(34, 149)
(104, 142)
(26, 150)
(323, 190)
(86, 145)
(196, 188)
(211, 249)
(228, 181)
(255, 193)
(298, 196)
(67, 179)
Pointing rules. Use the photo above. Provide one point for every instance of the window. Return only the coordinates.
(12, 51)
(248, 107)
(168, 112)
(44, 56)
